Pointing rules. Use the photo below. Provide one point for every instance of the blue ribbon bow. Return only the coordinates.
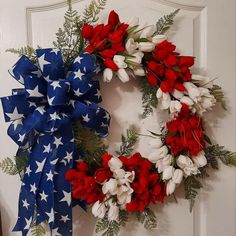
(42, 114)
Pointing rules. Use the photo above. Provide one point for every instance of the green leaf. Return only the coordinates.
(218, 93)
(147, 218)
(165, 22)
(38, 230)
(128, 142)
(191, 187)
(8, 166)
(21, 162)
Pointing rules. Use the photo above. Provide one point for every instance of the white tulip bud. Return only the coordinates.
(159, 38)
(131, 45)
(110, 187)
(120, 61)
(113, 212)
(156, 143)
(99, 209)
(146, 46)
(177, 94)
(123, 75)
(175, 106)
(170, 187)
(158, 154)
(167, 160)
(186, 100)
(107, 75)
(177, 176)
(148, 31)
(115, 163)
(168, 173)
(200, 160)
(139, 71)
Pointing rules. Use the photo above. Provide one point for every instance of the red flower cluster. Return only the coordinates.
(169, 68)
(146, 185)
(185, 133)
(87, 186)
(106, 40)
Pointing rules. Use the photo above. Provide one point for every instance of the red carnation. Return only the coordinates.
(102, 174)
(113, 19)
(152, 79)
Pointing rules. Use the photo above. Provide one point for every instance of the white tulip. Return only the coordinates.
(193, 91)
(186, 100)
(156, 143)
(175, 106)
(136, 58)
(129, 176)
(193, 170)
(159, 166)
(200, 160)
(107, 75)
(115, 163)
(165, 101)
(167, 160)
(148, 31)
(122, 75)
(113, 212)
(99, 209)
(131, 45)
(139, 71)
(110, 187)
(133, 21)
(177, 176)
(183, 161)
(158, 154)
(170, 187)
(159, 38)
(177, 94)
(146, 46)
(119, 173)
(120, 61)
(202, 81)
(168, 173)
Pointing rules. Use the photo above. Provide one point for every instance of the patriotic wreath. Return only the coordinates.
(59, 126)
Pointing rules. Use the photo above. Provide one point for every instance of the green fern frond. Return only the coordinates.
(165, 22)
(92, 11)
(38, 230)
(191, 187)
(8, 166)
(149, 99)
(218, 93)
(27, 51)
(92, 150)
(147, 218)
(128, 142)
(215, 152)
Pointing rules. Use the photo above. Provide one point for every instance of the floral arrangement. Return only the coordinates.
(59, 126)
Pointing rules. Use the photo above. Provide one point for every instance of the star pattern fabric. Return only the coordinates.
(42, 114)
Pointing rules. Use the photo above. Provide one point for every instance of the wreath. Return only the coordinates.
(59, 126)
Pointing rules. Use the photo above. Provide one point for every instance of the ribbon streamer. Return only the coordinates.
(42, 114)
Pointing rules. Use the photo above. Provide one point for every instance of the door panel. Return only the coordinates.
(198, 31)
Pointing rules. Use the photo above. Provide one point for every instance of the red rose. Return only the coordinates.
(82, 166)
(102, 174)
(155, 67)
(105, 159)
(180, 87)
(87, 31)
(165, 87)
(170, 75)
(113, 19)
(152, 79)
(186, 61)
(170, 60)
(118, 47)
(110, 64)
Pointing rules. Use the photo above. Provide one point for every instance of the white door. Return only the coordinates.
(205, 29)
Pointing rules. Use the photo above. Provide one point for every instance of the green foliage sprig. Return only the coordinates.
(111, 228)
(147, 218)
(92, 11)
(191, 188)
(128, 142)
(218, 93)
(27, 51)
(214, 153)
(8, 166)
(149, 99)
(165, 22)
